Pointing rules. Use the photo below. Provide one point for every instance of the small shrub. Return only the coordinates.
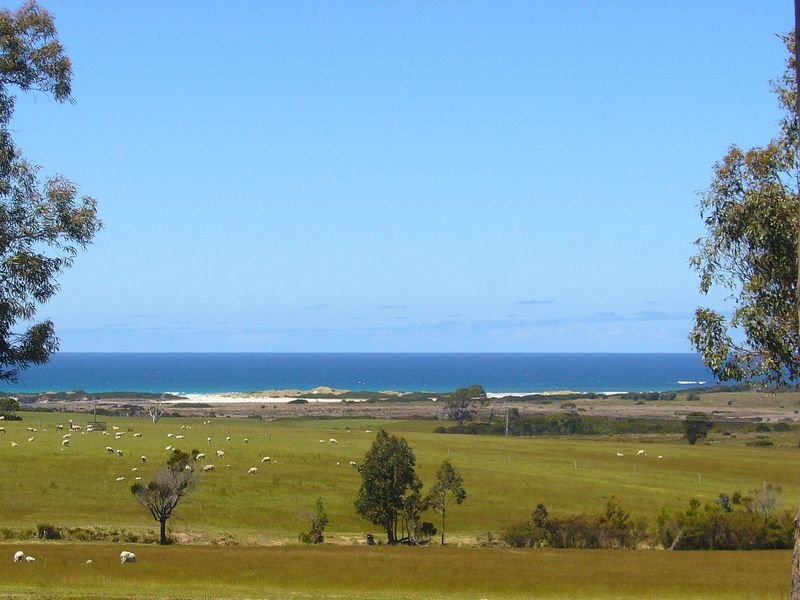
(47, 531)
(782, 426)
(439, 429)
(763, 427)
(760, 443)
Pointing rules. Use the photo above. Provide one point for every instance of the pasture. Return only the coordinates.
(76, 486)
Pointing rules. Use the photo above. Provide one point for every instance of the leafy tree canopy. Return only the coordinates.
(750, 214)
(387, 474)
(42, 224)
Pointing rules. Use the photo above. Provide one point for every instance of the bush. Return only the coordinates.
(763, 428)
(47, 531)
(782, 426)
(761, 443)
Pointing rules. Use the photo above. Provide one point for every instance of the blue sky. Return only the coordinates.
(397, 176)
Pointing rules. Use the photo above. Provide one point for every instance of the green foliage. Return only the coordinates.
(448, 488)
(750, 250)
(612, 528)
(462, 405)
(317, 521)
(162, 495)
(42, 225)
(387, 477)
(8, 405)
(47, 531)
(696, 425)
(751, 525)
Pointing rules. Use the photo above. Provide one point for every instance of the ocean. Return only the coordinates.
(215, 373)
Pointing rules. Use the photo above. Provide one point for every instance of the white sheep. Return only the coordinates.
(640, 453)
(266, 459)
(14, 444)
(220, 454)
(66, 436)
(65, 442)
(227, 438)
(135, 470)
(19, 556)
(180, 437)
(333, 441)
(188, 469)
(169, 435)
(200, 456)
(59, 426)
(114, 427)
(139, 434)
(120, 478)
(30, 559)
(620, 454)
(120, 453)
(2, 429)
(338, 464)
(143, 458)
(109, 449)
(33, 437)
(660, 457)
(322, 441)
(127, 557)
(208, 468)
(208, 439)
(169, 448)
(353, 463)
(252, 470)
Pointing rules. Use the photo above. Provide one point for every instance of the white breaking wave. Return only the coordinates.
(691, 382)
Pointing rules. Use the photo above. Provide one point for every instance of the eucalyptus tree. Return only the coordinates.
(43, 224)
(750, 251)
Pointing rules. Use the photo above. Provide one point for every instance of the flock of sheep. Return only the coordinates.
(124, 557)
(118, 435)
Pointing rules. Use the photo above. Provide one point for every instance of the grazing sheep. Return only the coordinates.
(620, 454)
(14, 444)
(33, 437)
(65, 442)
(135, 470)
(322, 441)
(368, 431)
(228, 438)
(109, 449)
(127, 557)
(353, 463)
(333, 441)
(659, 456)
(119, 434)
(66, 436)
(2, 429)
(59, 426)
(183, 426)
(220, 454)
(139, 434)
(169, 448)
(169, 435)
(208, 468)
(266, 459)
(19, 556)
(338, 464)
(640, 453)
(114, 427)
(137, 478)
(180, 437)
(120, 453)
(188, 468)
(106, 433)
(200, 456)
(120, 478)
(30, 559)
(246, 440)
(89, 562)
(252, 470)
(208, 439)
(143, 458)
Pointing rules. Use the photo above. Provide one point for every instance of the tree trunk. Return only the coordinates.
(443, 511)
(794, 590)
(164, 540)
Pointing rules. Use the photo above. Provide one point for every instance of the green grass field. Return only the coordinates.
(505, 478)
